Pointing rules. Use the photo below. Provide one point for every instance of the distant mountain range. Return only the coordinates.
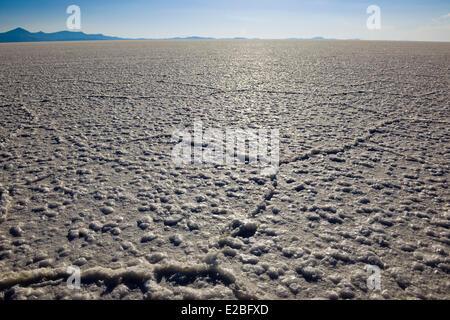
(22, 35)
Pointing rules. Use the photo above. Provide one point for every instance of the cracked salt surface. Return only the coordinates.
(87, 178)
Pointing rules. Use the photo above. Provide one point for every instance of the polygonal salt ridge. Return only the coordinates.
(4, 203)
(138, 274)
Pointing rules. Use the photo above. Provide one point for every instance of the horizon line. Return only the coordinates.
(196, 37)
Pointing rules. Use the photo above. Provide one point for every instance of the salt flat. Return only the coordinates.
(87, 177)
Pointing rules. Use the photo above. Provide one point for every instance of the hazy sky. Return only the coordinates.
(400, 20)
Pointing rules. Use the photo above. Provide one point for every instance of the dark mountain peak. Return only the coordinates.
(18, 30)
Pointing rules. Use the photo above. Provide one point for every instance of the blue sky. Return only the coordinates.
(400, 20)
